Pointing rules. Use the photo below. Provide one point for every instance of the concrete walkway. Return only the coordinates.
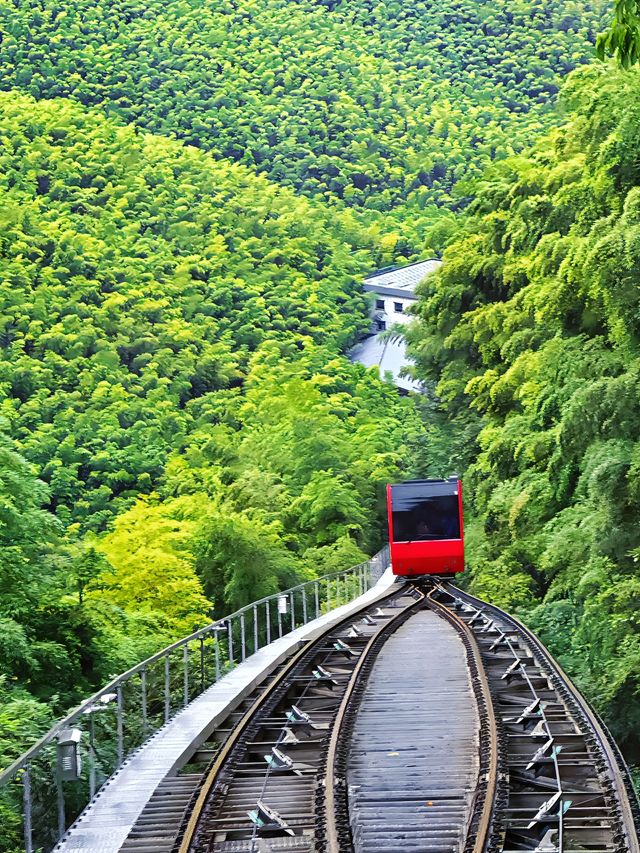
(108, 819)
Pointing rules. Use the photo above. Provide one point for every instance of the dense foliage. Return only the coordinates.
(180, 429)
(380, 105)
(138, 277)
(622, 38)
(171, 330)
(532, 332)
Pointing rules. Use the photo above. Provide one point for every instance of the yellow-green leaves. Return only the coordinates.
(622, 39)
(153, 568)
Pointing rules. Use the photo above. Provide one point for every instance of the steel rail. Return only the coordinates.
(224, 753)
(372, 647)
(482, 834)
(534, 695)
(618, 771)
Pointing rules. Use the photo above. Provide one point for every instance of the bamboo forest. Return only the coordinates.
(192, 194)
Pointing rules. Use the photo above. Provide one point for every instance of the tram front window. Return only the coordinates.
(420, 518)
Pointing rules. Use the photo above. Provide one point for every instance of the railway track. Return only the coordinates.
(565, 787)
(429, 721)
(263, 789)
(415, 746)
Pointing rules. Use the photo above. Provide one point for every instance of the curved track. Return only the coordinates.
(261, 791)
(307, 767)
(565, 786)
(452, 819)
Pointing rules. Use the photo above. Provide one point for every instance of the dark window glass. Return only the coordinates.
(423, 518)
(381, 325)
(398, 307)
(379, 303)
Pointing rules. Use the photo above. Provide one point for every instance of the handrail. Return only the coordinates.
(222, 623)
(326, 593)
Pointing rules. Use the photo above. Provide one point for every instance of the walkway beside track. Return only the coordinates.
(108, 820)
(413, 759)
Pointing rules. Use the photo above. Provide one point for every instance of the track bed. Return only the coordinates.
(412, 761)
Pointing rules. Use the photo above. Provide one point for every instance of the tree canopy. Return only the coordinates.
(138, 277)
(384, 107)
(531, 331)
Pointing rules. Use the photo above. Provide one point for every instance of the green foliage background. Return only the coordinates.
(190, 196)
(383, 106)
(531, 331)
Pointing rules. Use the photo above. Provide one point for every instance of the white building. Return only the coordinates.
(393, 291)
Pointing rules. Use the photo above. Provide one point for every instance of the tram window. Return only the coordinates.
(426, 518)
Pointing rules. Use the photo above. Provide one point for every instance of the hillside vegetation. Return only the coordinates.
(171, 330)
(532, 332)
(191, 193)
(140, 276)
(382, 106)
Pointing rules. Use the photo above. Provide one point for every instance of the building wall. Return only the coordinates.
(388, 314)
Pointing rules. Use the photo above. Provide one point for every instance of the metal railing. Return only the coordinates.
(44, 791)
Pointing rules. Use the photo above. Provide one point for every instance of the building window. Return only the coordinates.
(380, 303)
(397, 307)
(381, 325)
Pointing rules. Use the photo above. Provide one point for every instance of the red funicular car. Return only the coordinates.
(425, 527)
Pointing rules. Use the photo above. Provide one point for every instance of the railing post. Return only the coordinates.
(26, 810)
(185, 675)
(255, 628)
(279, 621)
(230, 635)
(167, 689)
(143, 690)
(242, 637)
(317, 598)
(293, 610)
(217, 653)
(267, 611)
(92, 757)
(119, 724)
(60, 799)
(304, 606)
(202, 664)
(328, 595)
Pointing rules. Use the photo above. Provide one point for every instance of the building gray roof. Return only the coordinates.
(391, 291)
(401, 278)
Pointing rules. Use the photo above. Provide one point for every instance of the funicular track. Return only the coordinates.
(279, 782)
(563, 786)
(548, 779)
(400, 818)
(261, 793)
